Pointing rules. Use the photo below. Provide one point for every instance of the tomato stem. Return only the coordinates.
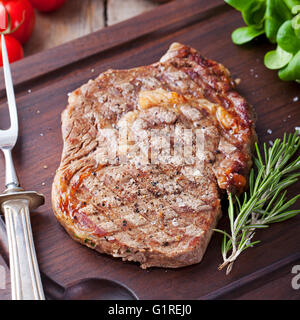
(8, 30)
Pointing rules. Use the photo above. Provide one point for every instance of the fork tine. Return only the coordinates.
(9, 89)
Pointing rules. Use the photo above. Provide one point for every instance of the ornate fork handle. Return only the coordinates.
(25, 276)
(15, 203)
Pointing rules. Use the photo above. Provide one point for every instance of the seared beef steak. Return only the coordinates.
(157, 207)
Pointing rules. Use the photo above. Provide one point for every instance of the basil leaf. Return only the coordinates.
(238, 4)
(292, 70)
(276, 13)
(277, 59)
(287, 38)
(254, 12)
(245, 34)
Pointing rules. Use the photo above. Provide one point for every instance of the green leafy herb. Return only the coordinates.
(287, 38)
(291, 3)
(279, 20)
(245, 34)
(238, 4)
(276, 13)
(292, 70)
(296, 20)
(277, 59)
(266, 201)
(253, 13)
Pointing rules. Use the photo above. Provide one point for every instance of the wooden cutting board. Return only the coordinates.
(42, 82)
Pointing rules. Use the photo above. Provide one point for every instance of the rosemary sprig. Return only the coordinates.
(265, 202)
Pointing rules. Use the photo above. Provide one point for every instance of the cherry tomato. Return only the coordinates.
(47, 5)
(14, 49)
(18, 9)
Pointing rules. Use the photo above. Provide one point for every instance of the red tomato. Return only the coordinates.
(14, 49)
(17, 9)
(47, 5)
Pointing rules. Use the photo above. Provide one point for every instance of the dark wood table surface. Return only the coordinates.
(42, 82)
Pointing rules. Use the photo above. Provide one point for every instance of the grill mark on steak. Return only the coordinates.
(156, 214)
(137, 204)
(116, 222)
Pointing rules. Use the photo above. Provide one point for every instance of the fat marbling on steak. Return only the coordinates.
(158, 213)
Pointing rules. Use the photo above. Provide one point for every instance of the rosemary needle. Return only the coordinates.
(265, 202)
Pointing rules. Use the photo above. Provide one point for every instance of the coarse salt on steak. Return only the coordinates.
(158, 213)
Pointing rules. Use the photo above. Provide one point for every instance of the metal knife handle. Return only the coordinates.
(25, 276)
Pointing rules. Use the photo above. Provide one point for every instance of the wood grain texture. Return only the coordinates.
(78, 18)
(139, 41)
(122, 33)
(75, 19)
(119, 10)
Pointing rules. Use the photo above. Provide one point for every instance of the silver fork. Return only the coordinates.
(15, 203)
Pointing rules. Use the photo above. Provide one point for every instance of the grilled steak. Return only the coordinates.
(139, 196)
